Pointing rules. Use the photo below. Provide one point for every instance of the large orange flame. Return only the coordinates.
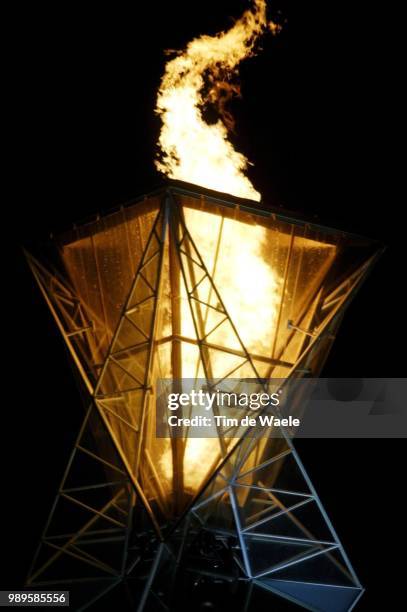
(191, 149)
(195, 151)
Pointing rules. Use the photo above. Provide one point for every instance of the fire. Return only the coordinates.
(195, 151)
(191, 149)
(244, 277)
(251, 291)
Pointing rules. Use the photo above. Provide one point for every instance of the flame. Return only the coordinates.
(250, 287)
(251, 291)
(192, 150)
(195, 151)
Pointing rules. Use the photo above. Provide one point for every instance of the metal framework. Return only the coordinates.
(126, 521)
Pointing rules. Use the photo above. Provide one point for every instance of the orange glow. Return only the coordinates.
(246, 280)
(243, 275)
(266, 272)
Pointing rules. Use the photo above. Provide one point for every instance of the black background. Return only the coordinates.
(320, 119)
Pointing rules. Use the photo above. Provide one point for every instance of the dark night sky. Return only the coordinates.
(319, 118)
